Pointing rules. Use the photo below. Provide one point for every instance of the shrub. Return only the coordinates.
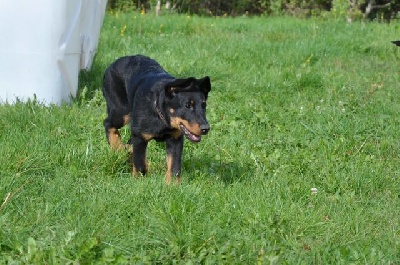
(349, 9)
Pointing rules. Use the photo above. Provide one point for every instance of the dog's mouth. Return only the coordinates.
(190, 136)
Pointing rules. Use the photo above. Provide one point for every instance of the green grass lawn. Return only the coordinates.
(295, 105)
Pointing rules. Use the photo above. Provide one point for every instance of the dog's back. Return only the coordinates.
(125, 74)
(128, 66)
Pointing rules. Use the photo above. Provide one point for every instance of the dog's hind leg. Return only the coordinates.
(117, 108)
(112, 124)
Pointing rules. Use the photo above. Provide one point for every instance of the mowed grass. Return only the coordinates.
(301, 165)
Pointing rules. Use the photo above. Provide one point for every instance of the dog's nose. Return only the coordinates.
(204, 128)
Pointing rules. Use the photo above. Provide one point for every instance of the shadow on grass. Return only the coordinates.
(226, 171)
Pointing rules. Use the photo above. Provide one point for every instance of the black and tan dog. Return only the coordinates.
(158, 106)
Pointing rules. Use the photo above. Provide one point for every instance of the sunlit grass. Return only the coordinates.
(301, 164)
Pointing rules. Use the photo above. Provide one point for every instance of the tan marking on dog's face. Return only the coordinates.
(114, 139)
(192, 127)
(147, 136)
(127, 119)
(168, 175)
(171, 110)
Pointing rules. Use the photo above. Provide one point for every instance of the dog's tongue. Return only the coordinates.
(190, 136)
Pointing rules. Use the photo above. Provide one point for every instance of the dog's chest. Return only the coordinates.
(170, 133)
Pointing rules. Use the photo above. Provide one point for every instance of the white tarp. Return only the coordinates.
(43, 46)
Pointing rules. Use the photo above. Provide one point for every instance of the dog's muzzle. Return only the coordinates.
(193, 137)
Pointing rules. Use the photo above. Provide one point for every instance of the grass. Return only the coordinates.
(295, 105)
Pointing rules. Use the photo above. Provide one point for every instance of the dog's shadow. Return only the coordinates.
(227, 171)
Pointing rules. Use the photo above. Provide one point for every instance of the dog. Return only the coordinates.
(158, 106)
(397, 42)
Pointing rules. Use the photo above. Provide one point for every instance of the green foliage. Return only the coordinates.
(340, 8)
(351, 10)
(223, 7)
(301, 164)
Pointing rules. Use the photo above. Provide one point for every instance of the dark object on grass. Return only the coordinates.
(158, 106)
(397, 42)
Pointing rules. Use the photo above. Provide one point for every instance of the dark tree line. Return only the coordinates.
(370, 9)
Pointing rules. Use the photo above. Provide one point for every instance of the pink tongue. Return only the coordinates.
(189, 135)
(193, 137)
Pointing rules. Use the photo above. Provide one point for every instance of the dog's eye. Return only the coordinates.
(190, 105)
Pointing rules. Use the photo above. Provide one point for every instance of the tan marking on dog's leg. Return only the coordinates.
(168, 176)
(129, 148)
(127, 119)
(135, 173)
(114, 139)
(178, 180)
(146, 166)
(147, 136)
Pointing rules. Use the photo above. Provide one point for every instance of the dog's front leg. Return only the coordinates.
(174, 158)
(139, 146)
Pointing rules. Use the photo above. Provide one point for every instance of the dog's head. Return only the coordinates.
(186, 102)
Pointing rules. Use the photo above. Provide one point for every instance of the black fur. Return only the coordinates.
(158, 106)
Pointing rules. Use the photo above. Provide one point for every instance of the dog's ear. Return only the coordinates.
(205, 85)
(190, 84)
(178, 85)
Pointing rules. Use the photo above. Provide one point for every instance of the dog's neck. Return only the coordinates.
(160, 113)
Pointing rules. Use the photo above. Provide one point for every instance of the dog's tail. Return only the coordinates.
(397, 42)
